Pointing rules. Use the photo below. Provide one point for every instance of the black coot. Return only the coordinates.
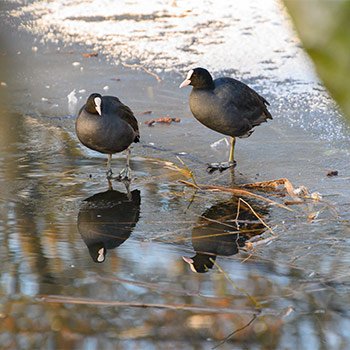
(225, 105)
(106, 125)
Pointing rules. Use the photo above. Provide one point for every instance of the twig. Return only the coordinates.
(143, 68)
(180, 307)
(235, 191)
(272, 184)
(263, 241)
(259, 218)
(235, 331)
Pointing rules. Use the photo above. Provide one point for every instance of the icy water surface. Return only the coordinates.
(59, 290)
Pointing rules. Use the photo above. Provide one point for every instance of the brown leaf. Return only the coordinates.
(90, 54)
(164, 120)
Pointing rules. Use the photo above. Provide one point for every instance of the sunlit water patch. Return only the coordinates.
(233, 38)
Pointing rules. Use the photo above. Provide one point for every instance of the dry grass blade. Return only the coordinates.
(189, 171)
(258, 217)
(178, 307)
(241, 290)
(235, 191)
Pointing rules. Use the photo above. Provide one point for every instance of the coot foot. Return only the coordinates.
(220, 166)
(109, 174)
(125, 175)
(109, 171)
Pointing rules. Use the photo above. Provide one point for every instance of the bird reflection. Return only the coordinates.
(107, 219)
(219, 233)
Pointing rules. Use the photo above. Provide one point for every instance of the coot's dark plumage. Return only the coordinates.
(106, 125)
(225, 105)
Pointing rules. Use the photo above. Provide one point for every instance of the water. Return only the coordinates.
(294, 288)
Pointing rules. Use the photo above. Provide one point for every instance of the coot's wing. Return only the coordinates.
(124, 112)
(243, 100)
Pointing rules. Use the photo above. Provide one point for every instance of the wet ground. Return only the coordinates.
(57, 213)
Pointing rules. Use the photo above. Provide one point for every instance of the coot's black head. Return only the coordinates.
(93, 104)
(199, 78)
(201, 262)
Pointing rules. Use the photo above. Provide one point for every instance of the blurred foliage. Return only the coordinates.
(324, 28)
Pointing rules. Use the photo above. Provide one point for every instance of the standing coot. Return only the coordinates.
(106, 125)
(227, 106)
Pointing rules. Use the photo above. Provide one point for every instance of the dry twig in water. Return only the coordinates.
(235, 331)
(179, 307)
(235, 191)
(143, 68)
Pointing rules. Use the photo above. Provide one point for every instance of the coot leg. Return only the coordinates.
(125, 174)
(110, 186)
(224, 165)
(109, 172)
(232, 149)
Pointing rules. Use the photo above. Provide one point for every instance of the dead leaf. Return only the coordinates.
(90, 54)
(313, 216)
(164, 120)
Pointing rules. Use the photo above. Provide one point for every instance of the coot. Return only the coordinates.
(227, 106)
(106, 125)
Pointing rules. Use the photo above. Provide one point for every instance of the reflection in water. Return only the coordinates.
(220, 232)
(106, 220)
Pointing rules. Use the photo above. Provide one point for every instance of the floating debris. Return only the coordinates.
(332, 173)
(164, 120)
(90, 54)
